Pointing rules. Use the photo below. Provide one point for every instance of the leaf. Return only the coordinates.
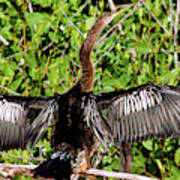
(175, 172)
(8, 70)
(150, 145)
(16, 83)
(143, 48)
(31, 60)
(177, 157)
(89, 23)
(116, 164)
(43, 3)
(37, 18)
(160, 165)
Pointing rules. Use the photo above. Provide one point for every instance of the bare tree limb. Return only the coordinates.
(97, 172)
(31, 167)
(28, 171)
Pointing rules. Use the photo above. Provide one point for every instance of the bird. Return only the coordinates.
(82, 117)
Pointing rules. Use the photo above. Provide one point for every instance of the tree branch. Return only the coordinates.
(10, 170)
(97, 172)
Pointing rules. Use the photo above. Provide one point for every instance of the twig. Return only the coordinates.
(80, 9)
(157, 20)
(30, 166)
(171, 15)
(99, 59)
(94, 172)
(97, 172)
(23, 158)
(176, 29)
(21, 40)
(31, 11)
(4, 40)
(164, 4)
(7, 89)
(112, 6)
(48, 46)
(74, 63)
(16, 54)
(71, 22)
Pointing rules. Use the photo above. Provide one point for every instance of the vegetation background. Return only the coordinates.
(39, 46)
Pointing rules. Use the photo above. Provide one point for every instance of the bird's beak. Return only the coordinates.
(121, 11)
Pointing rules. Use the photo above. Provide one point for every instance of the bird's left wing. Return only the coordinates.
(141, 113)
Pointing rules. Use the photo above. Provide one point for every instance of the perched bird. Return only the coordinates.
(120, 117)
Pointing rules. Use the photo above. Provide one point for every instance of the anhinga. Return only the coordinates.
(131, 115)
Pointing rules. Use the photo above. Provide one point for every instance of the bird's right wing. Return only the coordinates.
(23, 119)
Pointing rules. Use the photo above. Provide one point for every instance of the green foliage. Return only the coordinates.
(42, 58)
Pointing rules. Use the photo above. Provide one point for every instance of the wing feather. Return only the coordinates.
(142, 113)
(22, 117)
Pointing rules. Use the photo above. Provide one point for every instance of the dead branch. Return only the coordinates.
(10, 170)
(97, 172)
(31, 167)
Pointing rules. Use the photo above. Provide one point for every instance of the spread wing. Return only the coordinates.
(23, 120)
(142, 113)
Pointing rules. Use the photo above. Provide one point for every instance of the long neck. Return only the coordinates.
(87, 78)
